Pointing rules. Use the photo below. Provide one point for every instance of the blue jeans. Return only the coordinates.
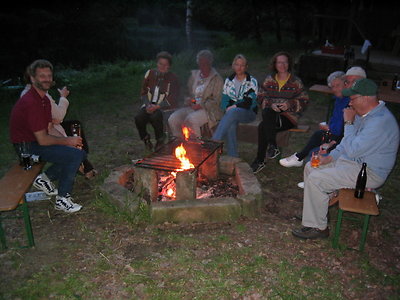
(228, 125)
(66, 161)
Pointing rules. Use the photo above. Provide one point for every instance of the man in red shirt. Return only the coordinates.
(29, 123)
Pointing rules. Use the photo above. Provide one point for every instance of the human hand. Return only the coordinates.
(275, 107)
(189, 101)
(56, 121)
(151, 108)
(279, 107)
(324, 148)
(74, 141)
(324, 160)
(196, 106)
(64, 92)
(230, 107)
(283, 106)
(323, 126)
(349, 114)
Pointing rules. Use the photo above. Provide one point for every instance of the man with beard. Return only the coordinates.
(30, 122)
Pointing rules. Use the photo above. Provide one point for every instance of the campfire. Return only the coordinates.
(181, 164)
(167, 185)
(205, 186)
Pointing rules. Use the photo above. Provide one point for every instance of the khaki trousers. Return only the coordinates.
(320, 182)
(189, 117)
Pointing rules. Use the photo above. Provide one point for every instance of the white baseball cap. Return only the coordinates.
(356, 71)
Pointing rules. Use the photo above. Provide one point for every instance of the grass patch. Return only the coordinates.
(120, 254)
(54, 284)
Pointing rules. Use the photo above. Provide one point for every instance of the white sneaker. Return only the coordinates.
(43, 183)
(291, 161)
(378, 198)
(301, 185)
(66, 204)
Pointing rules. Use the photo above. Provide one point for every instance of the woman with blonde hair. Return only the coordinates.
(238, 102)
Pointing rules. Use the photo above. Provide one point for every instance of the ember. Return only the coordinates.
(222, 187)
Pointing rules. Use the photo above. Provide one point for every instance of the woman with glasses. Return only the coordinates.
(282, 96)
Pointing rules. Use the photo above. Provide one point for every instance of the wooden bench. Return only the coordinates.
(13, 187)
(348, 203)
(249, 133)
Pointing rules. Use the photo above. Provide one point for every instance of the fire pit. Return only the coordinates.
(169, 179)
(176, 168)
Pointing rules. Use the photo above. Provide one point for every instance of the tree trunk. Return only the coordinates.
(189, 23)
(277, 23)
(256, 22)
(297, 22)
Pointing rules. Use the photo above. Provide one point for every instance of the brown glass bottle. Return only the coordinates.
(361, 182)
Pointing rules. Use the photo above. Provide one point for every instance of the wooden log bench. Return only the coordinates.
(13, 187)
(249, 133)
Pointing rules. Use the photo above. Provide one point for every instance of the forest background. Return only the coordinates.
(76, 34)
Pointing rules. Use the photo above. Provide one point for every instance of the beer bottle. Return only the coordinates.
(361, 182)
(326, 137)
(394, 82)
(76, 131)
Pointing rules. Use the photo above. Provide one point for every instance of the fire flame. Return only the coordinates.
(186, 133)
(180, 153)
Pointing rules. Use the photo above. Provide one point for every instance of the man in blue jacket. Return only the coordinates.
(371, 135)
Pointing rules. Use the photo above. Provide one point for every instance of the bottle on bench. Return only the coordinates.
(361, 182)
(24, 153)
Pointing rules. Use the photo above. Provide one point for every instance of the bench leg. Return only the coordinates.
(2, 237)
(28, 225)
(337, 230)
(364, 232)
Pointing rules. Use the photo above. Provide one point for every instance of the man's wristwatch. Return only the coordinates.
(348, 122)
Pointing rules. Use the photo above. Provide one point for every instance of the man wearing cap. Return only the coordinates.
(371, 135)
(353, 74)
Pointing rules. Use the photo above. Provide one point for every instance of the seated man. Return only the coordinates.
(371, 135)
(30, 122)
(353, 74)
(334, 128)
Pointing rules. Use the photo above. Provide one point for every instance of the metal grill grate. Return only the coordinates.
(198, 151)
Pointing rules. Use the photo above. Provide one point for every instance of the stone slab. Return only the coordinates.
(203, 210)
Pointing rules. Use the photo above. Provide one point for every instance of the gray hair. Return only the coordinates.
(333, 76)
(205, 54)
(39, 64)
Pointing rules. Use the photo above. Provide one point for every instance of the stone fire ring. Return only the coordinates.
(247, 203)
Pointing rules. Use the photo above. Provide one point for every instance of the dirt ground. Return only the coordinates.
(75, 243)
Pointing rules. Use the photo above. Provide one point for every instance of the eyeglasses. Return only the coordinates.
(352, 99)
